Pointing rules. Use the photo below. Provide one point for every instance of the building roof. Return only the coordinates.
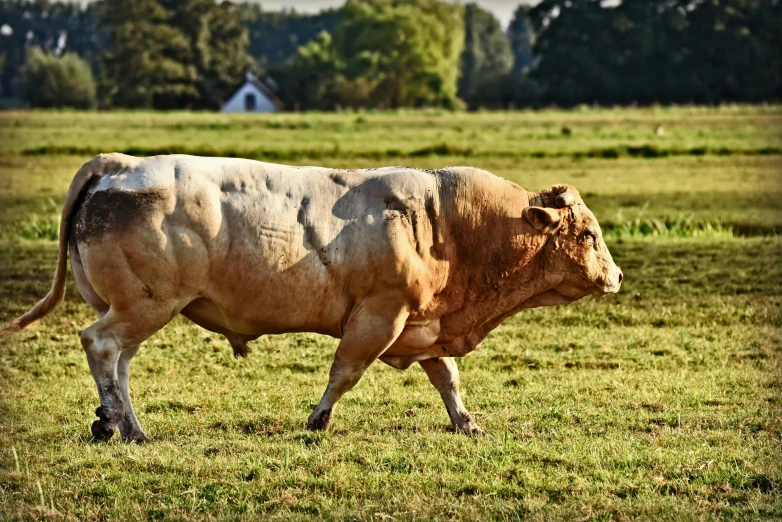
(261, 85)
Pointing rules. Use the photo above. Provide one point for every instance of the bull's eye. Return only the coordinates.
(589, 238)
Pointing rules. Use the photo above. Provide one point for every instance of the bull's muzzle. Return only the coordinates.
(609, 283)
(613, 282)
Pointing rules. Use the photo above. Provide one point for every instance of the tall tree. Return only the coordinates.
(384, 53)
(577, 51)
(148, 62)
(405, 51)
(670, 51)
(219, 41)
(173, 54)
(310, 80)
(276, 35)
(486, 57)
(522, 40)
(732, 49)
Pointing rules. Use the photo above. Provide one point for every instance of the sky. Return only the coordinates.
(502, 9)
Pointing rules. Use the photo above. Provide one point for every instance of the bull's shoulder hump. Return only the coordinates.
(473, 182)
(472, 174)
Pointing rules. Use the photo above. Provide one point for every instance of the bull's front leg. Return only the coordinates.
(373, 326)
(444, 375)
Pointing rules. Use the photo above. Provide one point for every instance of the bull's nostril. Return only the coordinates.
(620, 278)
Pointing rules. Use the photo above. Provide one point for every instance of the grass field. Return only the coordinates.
(661, 402)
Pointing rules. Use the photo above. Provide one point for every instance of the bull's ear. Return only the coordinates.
(544, 219)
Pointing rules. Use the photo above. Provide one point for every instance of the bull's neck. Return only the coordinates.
(495, 261)
(491, 235)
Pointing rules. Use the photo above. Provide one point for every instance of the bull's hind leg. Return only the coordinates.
(371, 329)
(129, 426)
(110, 343)
(444, 375)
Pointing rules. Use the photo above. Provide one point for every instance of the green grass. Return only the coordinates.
(661, 402)
(679, 227)
(353, 135)
(40, 151)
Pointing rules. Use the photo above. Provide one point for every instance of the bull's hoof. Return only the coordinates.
(100, 431)
(471, 430)
(319, 421)
(131, 432)
(136, 438)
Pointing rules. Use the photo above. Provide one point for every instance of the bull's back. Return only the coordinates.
(264, 248)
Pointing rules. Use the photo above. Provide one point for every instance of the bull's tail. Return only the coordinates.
(55, 297)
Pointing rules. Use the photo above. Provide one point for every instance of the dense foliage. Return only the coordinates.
(394, 53)
(275, 36)
(668, 51)
(52, 26)
(522, 40)
(57, 81)
(386, 54)
(171, 53)
(486, 59)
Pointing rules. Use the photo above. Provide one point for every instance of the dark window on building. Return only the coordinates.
(249, 102)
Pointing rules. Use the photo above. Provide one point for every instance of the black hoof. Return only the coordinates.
(137, 439)
(100, 431)
(321, 422)
(132, 434)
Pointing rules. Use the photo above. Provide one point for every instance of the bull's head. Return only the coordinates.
(576, 261)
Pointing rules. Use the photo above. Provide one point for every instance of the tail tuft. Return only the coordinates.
(53, 299)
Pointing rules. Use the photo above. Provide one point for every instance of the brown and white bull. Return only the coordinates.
(402, 265)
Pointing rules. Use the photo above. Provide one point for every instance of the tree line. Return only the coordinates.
(172, 54)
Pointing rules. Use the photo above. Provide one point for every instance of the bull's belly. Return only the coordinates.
(248, 296)
(417, 342)
(417, 337)
(258, 286)
(245, 315)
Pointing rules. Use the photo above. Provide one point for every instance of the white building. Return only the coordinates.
(253, 96)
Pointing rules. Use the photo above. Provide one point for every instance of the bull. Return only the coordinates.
(401, 264)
